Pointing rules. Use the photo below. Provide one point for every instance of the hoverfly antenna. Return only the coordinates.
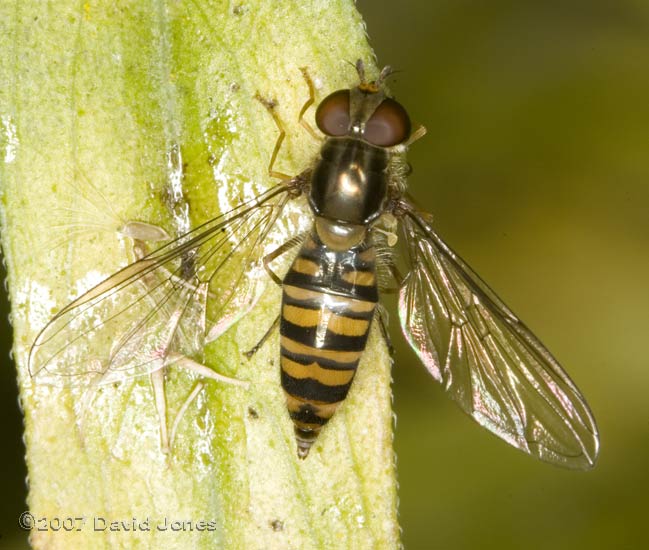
(360, 69)
(386, 72)
(374, 86)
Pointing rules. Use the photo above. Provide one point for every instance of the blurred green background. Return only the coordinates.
(536, 166)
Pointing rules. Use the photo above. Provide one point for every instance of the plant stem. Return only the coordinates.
(117, 111)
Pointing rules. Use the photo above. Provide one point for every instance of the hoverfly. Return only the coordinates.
(486, 359)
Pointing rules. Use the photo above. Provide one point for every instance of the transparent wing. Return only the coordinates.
(486, 359)
(197, 285)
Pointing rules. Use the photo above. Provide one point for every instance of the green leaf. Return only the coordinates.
(118, 111)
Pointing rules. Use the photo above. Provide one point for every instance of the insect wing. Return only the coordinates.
(201, 283)
(486, 359)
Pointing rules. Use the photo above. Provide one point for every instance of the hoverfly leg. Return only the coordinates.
(83, 404)
(270, 105)
(398, 276)
(419, 133)
(183, 409)
(158, 383)
(382, 319)
(157, 380)
(267, 259)
(275, 278)
(182, 361)
(272, 256)
(307, 104)
(265, 337)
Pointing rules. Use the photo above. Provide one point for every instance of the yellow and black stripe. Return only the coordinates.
(328, 304)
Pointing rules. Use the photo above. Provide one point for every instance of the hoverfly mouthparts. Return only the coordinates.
(487, 360)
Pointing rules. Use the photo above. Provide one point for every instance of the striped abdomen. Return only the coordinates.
(327, 307)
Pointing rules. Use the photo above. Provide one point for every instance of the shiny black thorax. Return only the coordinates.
(349, 182)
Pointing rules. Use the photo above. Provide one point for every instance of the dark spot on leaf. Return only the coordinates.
(277, 525)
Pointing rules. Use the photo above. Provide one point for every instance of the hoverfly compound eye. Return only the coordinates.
(332, 115)
(389, 125)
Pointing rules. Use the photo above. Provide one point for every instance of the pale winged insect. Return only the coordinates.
(485, 358)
